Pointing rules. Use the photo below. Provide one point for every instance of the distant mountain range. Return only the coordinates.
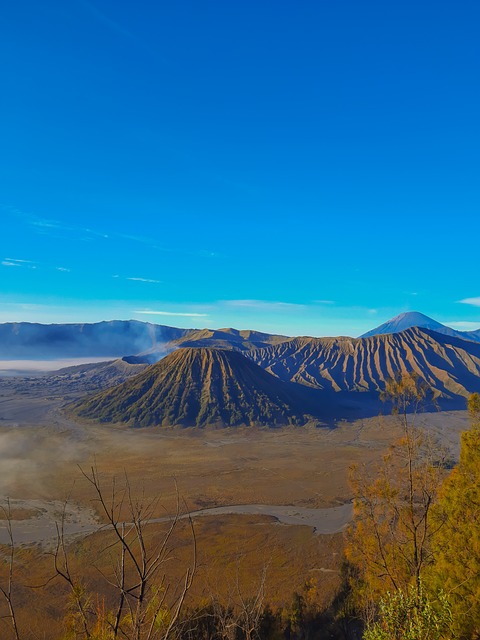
(117, 338)
(226, 376)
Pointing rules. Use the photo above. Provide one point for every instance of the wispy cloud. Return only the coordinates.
(15, 262)
(56, 228)
(23, 305)
(463, 325)
(150, 280)
(264, 305)
(475, 302)
(87, 231)
(87, 234)
(151, 242)
(182, 314)
(30, 264)
(50, 225)
(21, 261)
(324, 302)
(136, 279)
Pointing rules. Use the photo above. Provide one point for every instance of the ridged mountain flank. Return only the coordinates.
(449, 365)
(199, 387)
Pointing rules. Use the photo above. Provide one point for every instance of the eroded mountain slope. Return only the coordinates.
(451, 366)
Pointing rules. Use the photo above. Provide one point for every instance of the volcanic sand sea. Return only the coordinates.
(257, 495)
(41, 447)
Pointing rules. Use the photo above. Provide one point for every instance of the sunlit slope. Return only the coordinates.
(199, 387)
(451, 366)
(238, 340)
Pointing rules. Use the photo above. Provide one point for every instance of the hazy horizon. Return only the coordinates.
(458, 326)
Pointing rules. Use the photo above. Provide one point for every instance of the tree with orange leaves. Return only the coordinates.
(389, 541)
(457, 541)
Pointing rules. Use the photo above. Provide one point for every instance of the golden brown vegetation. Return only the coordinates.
(413, 545)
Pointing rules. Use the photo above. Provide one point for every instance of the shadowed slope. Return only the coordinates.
(451, 366)
(100, 375)
(199, 387)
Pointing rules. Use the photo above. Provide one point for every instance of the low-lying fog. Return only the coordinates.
(35, 367)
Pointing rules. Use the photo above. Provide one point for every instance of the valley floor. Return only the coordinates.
(261, 492)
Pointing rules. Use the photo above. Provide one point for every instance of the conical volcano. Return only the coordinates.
(406, 321)
(199, 387)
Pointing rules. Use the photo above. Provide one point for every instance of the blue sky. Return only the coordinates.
(297, 167)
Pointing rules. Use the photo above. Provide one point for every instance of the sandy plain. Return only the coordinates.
(43, 451)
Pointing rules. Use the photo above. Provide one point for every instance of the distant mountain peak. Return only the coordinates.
(414, 315)
(407, 320)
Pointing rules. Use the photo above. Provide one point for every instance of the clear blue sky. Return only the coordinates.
(301, 167)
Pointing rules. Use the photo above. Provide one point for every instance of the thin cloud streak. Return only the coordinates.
(474, 302)
(171, 313)
(262, 304)
(466, 325)
(21, 261)
(45, 226)
(48, 224)
(24, 264)
(149, 280)
(30, 264)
